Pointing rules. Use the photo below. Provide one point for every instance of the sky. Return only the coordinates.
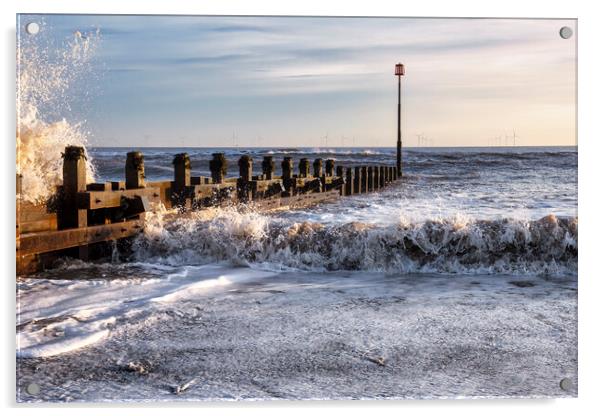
(322, 82)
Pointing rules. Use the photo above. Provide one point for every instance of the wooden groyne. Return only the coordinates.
(82, 218)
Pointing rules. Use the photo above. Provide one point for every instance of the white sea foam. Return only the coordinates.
(446, 245)
(45, 74)
(76, 313)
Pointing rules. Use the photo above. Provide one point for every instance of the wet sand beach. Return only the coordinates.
(327, 336)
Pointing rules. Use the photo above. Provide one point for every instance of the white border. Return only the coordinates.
(590, 137)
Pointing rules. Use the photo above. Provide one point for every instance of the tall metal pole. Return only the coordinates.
(399, 126)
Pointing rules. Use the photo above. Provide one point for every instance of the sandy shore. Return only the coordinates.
(336, 335)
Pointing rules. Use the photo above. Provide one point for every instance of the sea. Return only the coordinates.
(458, 280)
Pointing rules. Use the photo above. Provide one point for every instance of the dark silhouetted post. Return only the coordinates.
(376, 177)
(181, 179)
(287, 168)
(340, 171)
(330, 167)
(245, 166)
(134, 170)
(349, 181)
(219, 167)
(364, 179)
(370, 185)
(318, 168)
(399, 72)
(287, 175)
(340, 174)
(303, 168)
(181, 173)
(357, 183)
(74, 181)
(268, 167)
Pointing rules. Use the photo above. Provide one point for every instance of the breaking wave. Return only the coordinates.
(44, 76)
(543, 247)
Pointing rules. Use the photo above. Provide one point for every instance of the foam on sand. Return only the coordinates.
(57, 317)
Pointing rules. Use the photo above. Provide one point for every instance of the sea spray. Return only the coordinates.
(45, 74)
(457, 245)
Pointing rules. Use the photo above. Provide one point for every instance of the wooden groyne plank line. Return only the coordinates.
(297, 201)
(47, 241)
(112, 199)
(89, 213)
(48, 224)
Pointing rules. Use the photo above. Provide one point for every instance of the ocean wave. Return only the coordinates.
(543, 247)
(45, 75)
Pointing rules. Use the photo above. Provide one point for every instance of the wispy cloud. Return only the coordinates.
(482, 73)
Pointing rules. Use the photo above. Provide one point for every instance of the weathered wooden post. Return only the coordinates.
(318, 168)
(370, 182)
(357, 183)
(330, 167)
(134, 170)
(268, 167)
(376, 177)
(219, 167)
(287, 175)
(74, 181)
(349, 182)
(181, 165)
(245, 166)
(181, 179)
(287, 168)
(304, 168)
(395, 174)
(340, 175)
(382, 178)
(364, 179)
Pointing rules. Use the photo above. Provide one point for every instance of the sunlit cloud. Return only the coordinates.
(293, 78)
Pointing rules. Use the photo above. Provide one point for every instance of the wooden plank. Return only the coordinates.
(29, 212)
(207, 190)
(267, 188)
(214, 194)
(164, 191)
(263, 185)
(48, 241)
(47, 224)
(112, 199)
(298, 201)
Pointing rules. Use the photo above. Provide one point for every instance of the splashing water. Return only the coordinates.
(547, 246)
(45, 75)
